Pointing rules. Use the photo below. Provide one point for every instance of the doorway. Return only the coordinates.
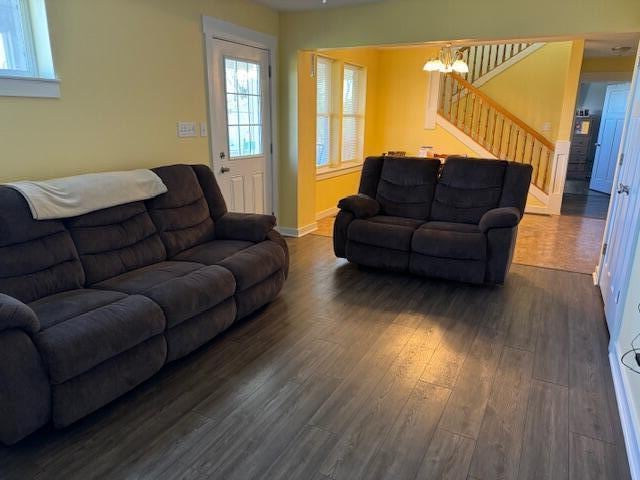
(594, 151)
(241, 104)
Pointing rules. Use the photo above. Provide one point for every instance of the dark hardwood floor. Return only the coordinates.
(355, 373)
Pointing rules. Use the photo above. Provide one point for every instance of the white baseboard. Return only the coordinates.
(329, 212)
(298, 232)
(626, 417)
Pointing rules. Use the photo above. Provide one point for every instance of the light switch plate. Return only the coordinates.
(186, 129)
(203, 129)
(546, 127)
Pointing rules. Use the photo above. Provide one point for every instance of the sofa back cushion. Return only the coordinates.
(406, 186)
(37, 258)
(116, 240)
(181, 215)
(467, 189)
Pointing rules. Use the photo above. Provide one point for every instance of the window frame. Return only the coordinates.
(40, 80)
(337, 166)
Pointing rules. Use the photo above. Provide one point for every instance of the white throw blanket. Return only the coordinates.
(72, 196)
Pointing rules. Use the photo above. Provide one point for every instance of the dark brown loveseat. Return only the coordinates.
(92, 306)
(457, 222)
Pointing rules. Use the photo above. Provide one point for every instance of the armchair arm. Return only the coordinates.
(15, 314)
(251, 227)
(505, 217)
(361, 205)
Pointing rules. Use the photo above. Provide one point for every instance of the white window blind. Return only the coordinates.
(352, 114)
(324, 75)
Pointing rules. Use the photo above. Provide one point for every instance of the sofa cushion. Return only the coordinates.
(116, 240)
(182, 289)
(255, 264)
(450, 240)
(182, 214)
(467, 189)
(384, 231)
(407, 186)
(82, 329)
(213, 252)
(37, 258)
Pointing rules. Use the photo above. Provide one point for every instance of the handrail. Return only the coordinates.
(489, 101)
(498, 130)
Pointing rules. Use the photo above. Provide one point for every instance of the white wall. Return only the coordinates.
(630, 328)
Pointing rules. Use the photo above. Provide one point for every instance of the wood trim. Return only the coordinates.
(503, 111)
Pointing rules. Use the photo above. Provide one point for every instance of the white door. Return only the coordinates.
(608, 146)
(240, 125)
(623, 216)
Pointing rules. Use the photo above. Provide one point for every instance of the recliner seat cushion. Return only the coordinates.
(100, 326)
(384, 231)
(182, 289)
(255, 264)
(467, 189)
(463, 242)
(116, 240)
(181, 214)
(212, 252)
(37, 258)
(407, 186)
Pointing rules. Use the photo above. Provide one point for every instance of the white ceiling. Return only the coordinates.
(601, 45)
(310, 4)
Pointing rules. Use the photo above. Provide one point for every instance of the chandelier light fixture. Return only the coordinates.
(449, 60)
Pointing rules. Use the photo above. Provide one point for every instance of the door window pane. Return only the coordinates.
(244, 106)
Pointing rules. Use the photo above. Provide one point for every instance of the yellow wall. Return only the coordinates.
(130, 70)
(403, 96)
(533, 88)
(405, 21)
(330, 190)
(608, 64)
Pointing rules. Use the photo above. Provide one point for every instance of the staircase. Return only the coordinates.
(493, 127)
(490, 128)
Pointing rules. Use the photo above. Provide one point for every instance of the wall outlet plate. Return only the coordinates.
(187, 129)
(203, 129)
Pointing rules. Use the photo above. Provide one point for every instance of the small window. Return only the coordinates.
(340, 110)
(25, 50)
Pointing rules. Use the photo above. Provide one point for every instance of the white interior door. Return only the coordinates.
(241, 130)
(623, 217)
(608, 146)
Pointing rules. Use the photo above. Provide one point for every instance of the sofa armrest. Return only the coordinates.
(504, 217)
(15, 314)
(361, 205)
(251, 227)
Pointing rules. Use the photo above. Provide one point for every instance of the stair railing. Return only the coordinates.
(482, 59)
(495, 128)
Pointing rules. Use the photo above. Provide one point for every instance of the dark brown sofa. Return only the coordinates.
(92, 306)
(458, 221)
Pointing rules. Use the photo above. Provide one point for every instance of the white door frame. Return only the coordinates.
(635, 83)
(214, 28)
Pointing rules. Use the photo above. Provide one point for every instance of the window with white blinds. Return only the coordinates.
(324, 75)
(352, 114)
(340, 109)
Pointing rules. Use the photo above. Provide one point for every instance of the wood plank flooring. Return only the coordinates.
(354, 373)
